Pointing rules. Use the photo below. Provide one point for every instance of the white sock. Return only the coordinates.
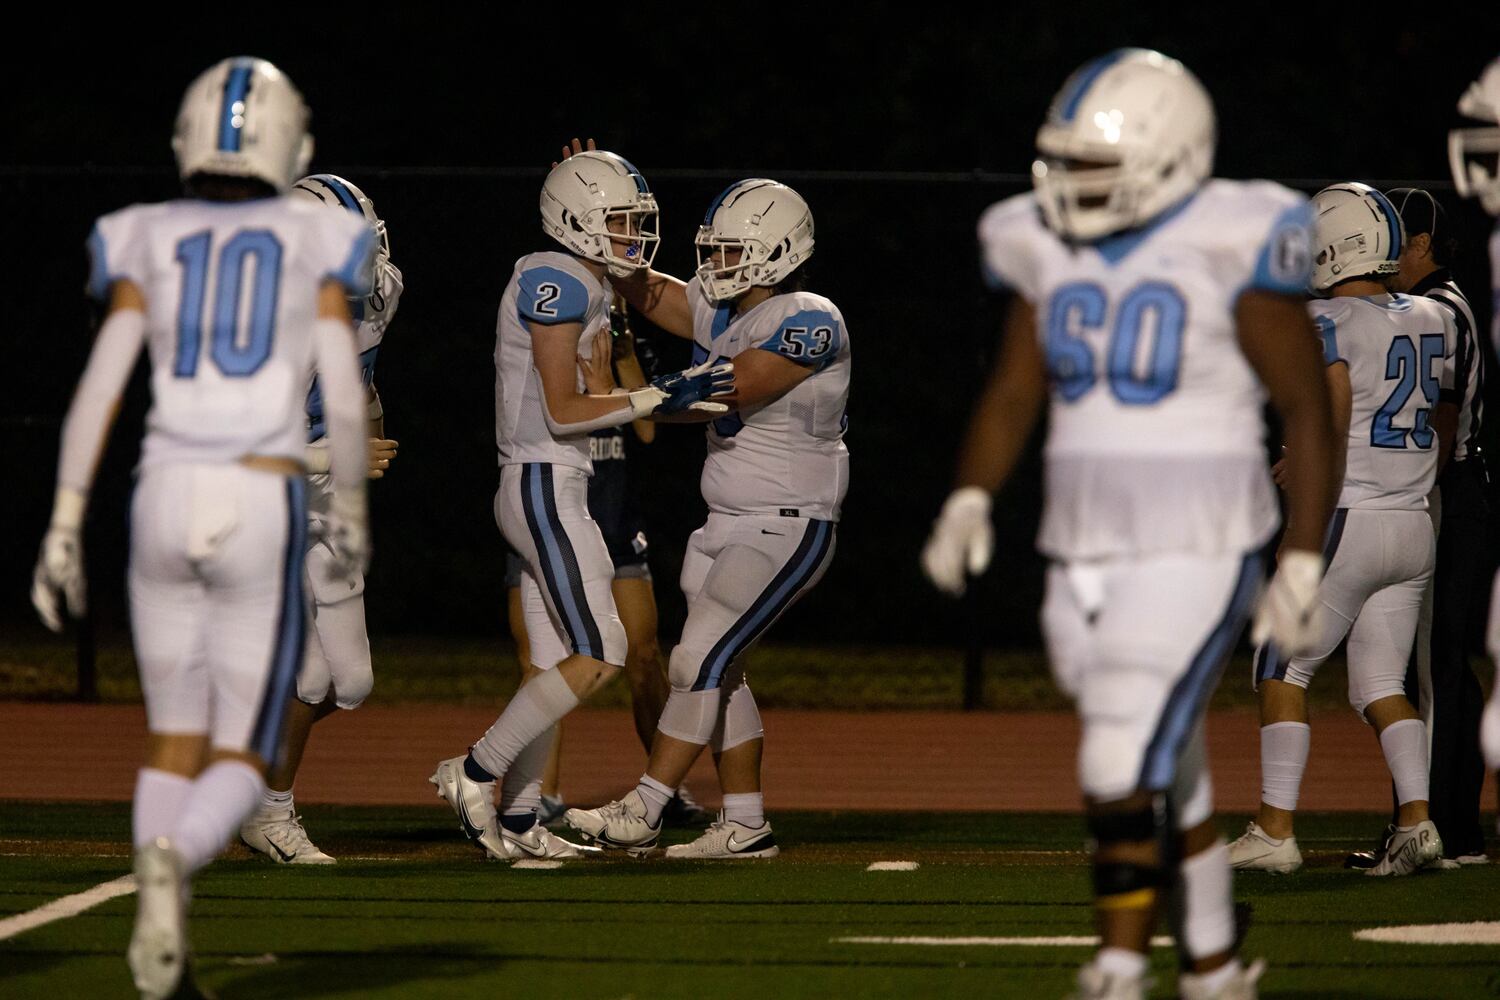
(1405, 746)
(272, 801)
(521, 791)
(746, 809)
(1284, 748)
(656, 796)
(539, 703)
(1205, 903)
(221, 798)
(1121, 962)
(158, 803)
(1210, 983)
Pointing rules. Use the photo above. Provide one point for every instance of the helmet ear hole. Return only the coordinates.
(776, 254)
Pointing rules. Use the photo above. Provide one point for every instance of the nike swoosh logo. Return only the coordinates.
(470, 830)
(285, 857)
(738, 848)
(535, 852)
(778, 534)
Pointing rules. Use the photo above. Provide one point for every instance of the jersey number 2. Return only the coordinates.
(234, 353)
(1402, 366)
(1151, 309)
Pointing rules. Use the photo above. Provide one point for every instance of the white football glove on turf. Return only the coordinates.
(59, 565)
(1290, 614)
(962, 540)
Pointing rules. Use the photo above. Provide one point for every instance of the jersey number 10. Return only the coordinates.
(1151, 309)
(235, 355)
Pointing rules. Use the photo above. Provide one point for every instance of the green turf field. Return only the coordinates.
(412, 911)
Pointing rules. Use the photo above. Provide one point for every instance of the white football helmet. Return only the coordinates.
(1470, 148)
(331, 189)
(768, 223)
(580, 197)
(1143, 127)
(1357, 233)
(243, 117)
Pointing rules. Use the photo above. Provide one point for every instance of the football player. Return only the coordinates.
(237, 293)
(774, 482)
(555, 306)
(1386, 356)
(337, 659)
(1154, 309)
(1474, 157)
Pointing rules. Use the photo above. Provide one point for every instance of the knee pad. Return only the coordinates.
(313, 681)
(683, 667)
(1110, 756)
(353, 684)
(1121, 884)
(691, 716)
(739, 721)
(612, 632)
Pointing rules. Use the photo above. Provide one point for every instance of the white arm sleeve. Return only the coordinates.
(93, 407)
(642, 402)
(343, 406)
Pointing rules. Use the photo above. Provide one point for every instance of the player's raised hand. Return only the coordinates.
(382, 454)
(598, 367)
(962, 541)
(59, 565)
(1290, 614)
(574, 147)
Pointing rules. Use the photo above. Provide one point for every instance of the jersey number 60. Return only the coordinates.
(234, 355)
(1150, 308)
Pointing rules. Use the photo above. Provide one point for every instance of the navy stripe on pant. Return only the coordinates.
(286, 655)
(559, 562)
(816, 542)
(1270, 665)
(1189, 696)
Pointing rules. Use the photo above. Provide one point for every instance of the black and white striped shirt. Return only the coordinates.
(1467, 363)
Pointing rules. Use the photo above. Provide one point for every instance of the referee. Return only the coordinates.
(1451, 698)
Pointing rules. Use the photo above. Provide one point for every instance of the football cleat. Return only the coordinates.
(1410, 849)
(281, 837)
(727, 840)
(620, 825)
(472, 801)
(1254, 851)
(158, 945)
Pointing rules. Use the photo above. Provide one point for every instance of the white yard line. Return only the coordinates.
(990, 942)
(1477, 932)
(892, 866)
(67, 906)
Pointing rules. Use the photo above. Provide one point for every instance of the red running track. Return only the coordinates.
(898, 761)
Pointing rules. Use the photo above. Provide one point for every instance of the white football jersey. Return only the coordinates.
(786, 456)
(1156, 439)
(372, 316)
(232, 294)
(545, 288)
(1397, 349)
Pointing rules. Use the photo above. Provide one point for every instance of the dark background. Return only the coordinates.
(898, 127)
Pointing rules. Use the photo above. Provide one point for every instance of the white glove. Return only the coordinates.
(1290, 614)
(347, 534)
(962, 541)
(1489, 733)
(685, 390)
(59, 565)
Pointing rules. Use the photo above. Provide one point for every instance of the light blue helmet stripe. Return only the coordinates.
(636, 175)
(1392, 219)
(346, 197)
(713, 206)
(1082, 79)
(235, 89)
